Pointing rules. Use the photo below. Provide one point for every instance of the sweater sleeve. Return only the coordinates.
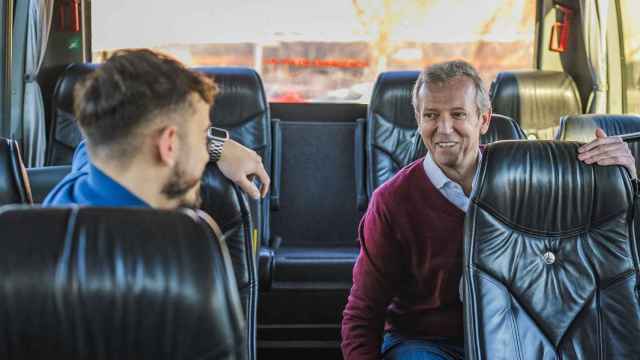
(375, 275)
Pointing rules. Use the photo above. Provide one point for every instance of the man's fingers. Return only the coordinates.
(600, 133)
(261, 173)
(599, 142)
(619, 153)
(603, 149)
(248, 187)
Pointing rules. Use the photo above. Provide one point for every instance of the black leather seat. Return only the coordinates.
(89, 283)
(14, 182)
(64, 134)
(583, 127)
(550, 266)
(44, 179)
(226, 203)
(241, 108)
(535, 99)
(500, 128)
(391, 127)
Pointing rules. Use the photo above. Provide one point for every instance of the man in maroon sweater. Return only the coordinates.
(406, 279)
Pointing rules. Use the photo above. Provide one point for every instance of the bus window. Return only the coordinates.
(322, 51)
(631, 36)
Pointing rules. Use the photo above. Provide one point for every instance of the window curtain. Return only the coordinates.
(34, 140)
(594, 28)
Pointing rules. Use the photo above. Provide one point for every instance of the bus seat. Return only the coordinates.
(391, 127)
(550, 269)
(44, 179)
(226, 203)
(582, 128)
(14, 182)
(500, 128)
(101, 283)
(535, 99)
(64, 134)
(241, 108)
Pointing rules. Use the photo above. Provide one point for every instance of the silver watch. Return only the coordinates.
(216, 138)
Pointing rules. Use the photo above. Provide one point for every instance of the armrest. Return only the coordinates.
(359, 161)
(276, 166)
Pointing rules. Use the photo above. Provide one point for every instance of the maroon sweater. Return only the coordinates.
(408, 272)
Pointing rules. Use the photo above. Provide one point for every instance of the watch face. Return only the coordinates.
(218, 133)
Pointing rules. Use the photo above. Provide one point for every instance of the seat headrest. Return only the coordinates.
(535, 99)
(14, 182)
(391, 97)
(64, 91)
(65, 134)
(502, 128)
(116, 283)
(568, 195)
(583, 127)
(241, 97)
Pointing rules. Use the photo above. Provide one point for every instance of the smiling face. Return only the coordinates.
(450, 124)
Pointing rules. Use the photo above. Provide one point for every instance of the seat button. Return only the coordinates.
(549, 258)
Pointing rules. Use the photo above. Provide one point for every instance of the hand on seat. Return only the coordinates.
(608, 151)
(238, 163)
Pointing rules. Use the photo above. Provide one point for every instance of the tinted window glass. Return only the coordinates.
(322, 51)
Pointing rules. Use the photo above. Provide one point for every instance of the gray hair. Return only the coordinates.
(442, 73)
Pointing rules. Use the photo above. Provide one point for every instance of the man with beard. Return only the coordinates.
(145, 117)
(404, 302)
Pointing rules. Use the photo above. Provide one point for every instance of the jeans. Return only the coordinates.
(396, 347)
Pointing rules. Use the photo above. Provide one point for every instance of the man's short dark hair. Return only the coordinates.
(443, 72)
(128, 91)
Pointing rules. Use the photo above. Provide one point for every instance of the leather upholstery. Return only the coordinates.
(99, 283)
(242, 109)
(550, 266)
(500, 128)
(64, 134)
(583, 128)
(304, 267)
(535, 99)
(14, 182)
(226, 203)
(391, 126)
(44, 179)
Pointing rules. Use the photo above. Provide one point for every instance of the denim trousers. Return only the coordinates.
(396, 347)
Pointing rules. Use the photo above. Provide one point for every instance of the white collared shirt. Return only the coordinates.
(451, 190)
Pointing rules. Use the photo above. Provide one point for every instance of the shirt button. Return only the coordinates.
(549, 258)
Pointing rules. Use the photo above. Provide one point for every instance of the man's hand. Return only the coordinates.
(239, 163)
(608, 151)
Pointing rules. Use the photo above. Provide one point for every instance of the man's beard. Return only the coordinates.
(178, 186)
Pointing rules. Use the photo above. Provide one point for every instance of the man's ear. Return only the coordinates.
(485, 120)
(167, 145)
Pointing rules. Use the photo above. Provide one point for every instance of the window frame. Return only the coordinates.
(6, 24)
(623, 56)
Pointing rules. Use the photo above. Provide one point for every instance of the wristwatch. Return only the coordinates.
(216, 138)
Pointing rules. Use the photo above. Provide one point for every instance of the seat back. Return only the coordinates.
(391, 126)
(535, 99)
(226, 203)
(583, 128)
(65, 134)
(14, 182)
(99, 283)
(550, 260)
(500, 128)
(241, 108)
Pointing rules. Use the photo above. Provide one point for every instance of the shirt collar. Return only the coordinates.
(438, 177)
(110, 192)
